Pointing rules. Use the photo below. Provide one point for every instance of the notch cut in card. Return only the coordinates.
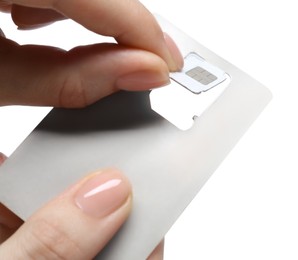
(191, 91)
(155, 156)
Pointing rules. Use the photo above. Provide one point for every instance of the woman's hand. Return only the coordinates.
(95, 207)
(42, 75)
(75, 225)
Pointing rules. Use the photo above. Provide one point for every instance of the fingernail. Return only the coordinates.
(103, 194)
(177, 58)
(143, 80)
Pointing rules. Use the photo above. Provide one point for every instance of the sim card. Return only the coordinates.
(198, 75)
(191, 91)
(140, 133)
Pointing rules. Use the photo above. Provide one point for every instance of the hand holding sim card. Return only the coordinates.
(149, 147)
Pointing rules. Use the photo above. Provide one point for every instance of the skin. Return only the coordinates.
(50, 76)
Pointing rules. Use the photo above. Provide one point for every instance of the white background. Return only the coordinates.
(248, 209)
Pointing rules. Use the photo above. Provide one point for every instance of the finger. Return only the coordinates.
(9, 223)
(128, 21)
(2, 33)
(77, 224)
(2, 158)
(30, 17)
(5, 6)
(41, 75)
(157, 253)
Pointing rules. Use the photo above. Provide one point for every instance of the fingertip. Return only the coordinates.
(93, 209)
(27, 18)
(143, 80)
(176, 63)
(147, 71)
(103, 193)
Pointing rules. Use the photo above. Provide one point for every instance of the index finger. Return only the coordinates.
(128, 21)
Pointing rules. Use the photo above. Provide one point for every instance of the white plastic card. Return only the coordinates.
(166, 165)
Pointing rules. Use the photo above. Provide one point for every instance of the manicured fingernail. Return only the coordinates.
(175, 53)
(143, 80)
(103, 194)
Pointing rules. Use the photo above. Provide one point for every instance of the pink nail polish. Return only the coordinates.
(103, 194)
(143, 80)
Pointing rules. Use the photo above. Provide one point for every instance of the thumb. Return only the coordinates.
(77, 224)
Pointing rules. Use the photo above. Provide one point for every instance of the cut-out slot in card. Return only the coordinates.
(123, 131)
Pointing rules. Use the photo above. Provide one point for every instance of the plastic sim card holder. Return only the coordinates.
(167, 166)
(185, 98)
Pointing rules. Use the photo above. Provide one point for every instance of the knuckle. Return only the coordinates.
(72, 93)
(48, 241)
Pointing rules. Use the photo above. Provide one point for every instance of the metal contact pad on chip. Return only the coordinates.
(198, 75)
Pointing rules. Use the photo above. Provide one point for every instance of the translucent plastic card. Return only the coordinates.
(208, 105)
